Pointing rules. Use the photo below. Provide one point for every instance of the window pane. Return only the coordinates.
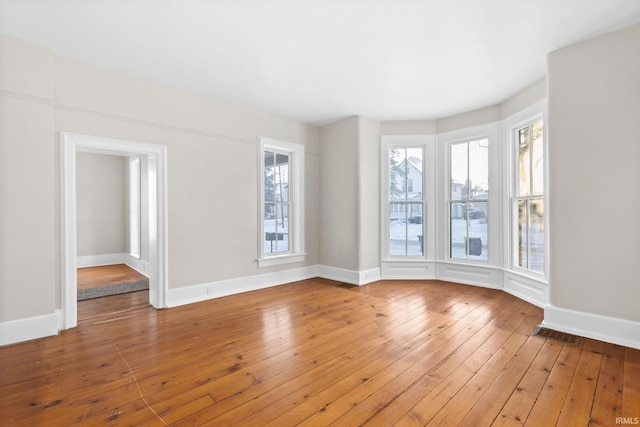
(276, 228)
(397, 174)
(283, 228)
(414, 173)
(537, 156)
(523, 256)
(536, 235)
(269, 177)
(478, 231)
(282, 177)
(479, 169)
(269, 228)
(415, 235)
(458, 230)
(524, 182)
(459, 172)
(397, 229)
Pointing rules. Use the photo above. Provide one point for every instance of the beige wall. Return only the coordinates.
(339, 194)
(211, 155)
(101, 204)
(28, 204)
(350, 191)
(594, 152)
(369, 194)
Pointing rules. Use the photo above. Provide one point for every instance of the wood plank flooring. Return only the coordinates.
(313, 353)
(92, 277)
(114, 305)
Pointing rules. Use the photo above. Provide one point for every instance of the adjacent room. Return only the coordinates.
(319, 213)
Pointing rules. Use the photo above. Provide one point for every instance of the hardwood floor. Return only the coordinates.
(314, 353)
(113, 305)
(92, 277)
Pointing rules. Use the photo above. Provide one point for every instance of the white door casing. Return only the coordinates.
(70, 144)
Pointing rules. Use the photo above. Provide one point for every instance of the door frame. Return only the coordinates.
(70, 144)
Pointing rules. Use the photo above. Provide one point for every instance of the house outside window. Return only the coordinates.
(281, 184)
(528, 202)
(469, 200)
(405, 201)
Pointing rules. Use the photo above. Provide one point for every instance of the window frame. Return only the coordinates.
(514, 197)
(449, 201)
(296, 252)
(135, 206)
(390, 142)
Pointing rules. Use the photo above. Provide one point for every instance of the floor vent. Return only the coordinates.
(556, 336)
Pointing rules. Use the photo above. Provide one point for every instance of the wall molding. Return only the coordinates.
(29, 328)
(470, 274)
(603, 328)
(408, 270)
(528, 289)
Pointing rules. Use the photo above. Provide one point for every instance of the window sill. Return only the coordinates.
(281, 259)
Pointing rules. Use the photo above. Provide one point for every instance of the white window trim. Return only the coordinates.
(296, 198)
(134, 207)
(426, 142)
(490, 132)
(512, 126)
(449, 201)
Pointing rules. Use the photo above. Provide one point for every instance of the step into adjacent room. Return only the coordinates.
(96, 282)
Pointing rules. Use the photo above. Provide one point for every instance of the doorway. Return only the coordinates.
(154, 176)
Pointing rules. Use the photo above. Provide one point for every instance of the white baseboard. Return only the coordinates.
(468, 274)
(603, 328)
(110, 259)
(100, 260)
(527, 289)
(205, 291)
(139, 265)
(349, 276)
(369, 276)
(31, 328)
(408, 270)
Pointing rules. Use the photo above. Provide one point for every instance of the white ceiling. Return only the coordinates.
(321, 60)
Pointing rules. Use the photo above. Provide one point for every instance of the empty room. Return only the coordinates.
(329, 212)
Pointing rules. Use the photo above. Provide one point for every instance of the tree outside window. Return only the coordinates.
(529, 198)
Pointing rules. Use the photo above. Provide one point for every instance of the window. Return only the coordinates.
(281, 202)
(405, 198)
(468, 200)
(276, 202)
(529, 197)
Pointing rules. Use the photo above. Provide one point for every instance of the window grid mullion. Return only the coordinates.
(467, 204)
(406, 204)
